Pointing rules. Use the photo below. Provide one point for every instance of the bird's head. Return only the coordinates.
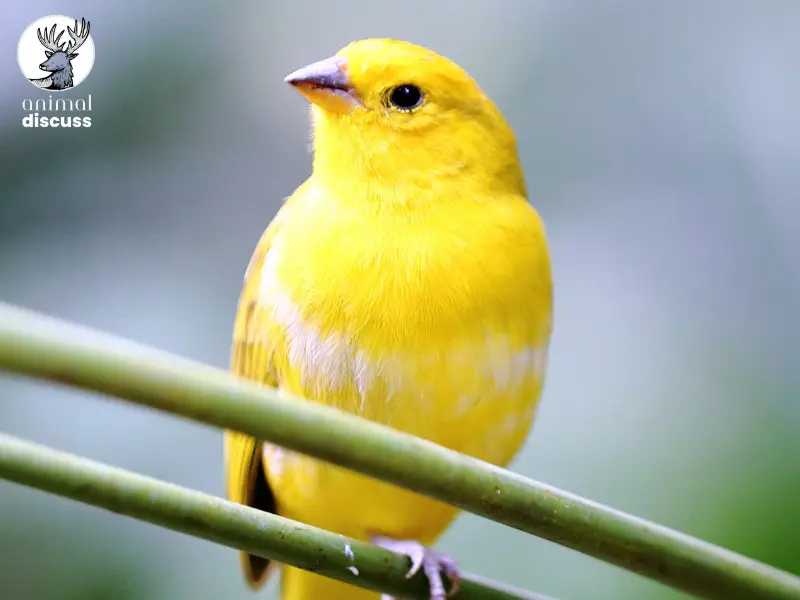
(404, 115)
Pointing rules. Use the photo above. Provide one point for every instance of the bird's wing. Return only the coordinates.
(251, 358)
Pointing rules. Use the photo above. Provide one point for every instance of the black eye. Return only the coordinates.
(406, 96)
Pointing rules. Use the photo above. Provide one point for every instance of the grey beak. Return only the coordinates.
(328, 73)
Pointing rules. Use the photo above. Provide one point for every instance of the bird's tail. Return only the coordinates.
(297, 584)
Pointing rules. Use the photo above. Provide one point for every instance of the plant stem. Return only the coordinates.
(227, 523)
(47, 348)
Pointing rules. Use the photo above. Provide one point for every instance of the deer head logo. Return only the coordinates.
(59, 55)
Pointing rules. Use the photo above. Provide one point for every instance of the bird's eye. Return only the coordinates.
(405, 96)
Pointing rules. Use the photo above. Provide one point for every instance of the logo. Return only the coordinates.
(56, 53)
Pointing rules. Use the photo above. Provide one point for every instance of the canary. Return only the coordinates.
(407, 281)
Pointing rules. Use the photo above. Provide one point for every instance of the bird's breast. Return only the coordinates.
(428, 333)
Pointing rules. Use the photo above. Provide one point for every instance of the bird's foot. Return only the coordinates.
(432, 563)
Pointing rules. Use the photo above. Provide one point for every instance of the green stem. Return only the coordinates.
(227, 523)
(46, 348)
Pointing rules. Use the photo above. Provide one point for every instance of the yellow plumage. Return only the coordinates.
(406, 281)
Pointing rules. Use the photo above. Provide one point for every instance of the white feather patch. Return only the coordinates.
(318, 358)
(333, 361)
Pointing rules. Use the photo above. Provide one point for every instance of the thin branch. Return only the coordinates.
(47, 348)
(227, 523)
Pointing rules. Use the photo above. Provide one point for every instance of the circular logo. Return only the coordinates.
(56, 53)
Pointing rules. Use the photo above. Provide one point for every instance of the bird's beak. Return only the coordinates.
(326, 84)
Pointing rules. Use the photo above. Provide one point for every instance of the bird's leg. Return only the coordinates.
(432, 563)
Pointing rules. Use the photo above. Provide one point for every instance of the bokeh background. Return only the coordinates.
(661, 141)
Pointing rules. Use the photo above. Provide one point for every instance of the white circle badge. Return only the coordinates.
(56, 53)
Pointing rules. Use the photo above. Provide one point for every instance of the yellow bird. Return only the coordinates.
(408, 281)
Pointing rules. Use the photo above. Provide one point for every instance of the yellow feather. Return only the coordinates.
(407, 281)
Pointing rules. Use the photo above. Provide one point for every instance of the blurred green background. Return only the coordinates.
(661, 142)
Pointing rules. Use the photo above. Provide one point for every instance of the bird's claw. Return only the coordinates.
(432, 563)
